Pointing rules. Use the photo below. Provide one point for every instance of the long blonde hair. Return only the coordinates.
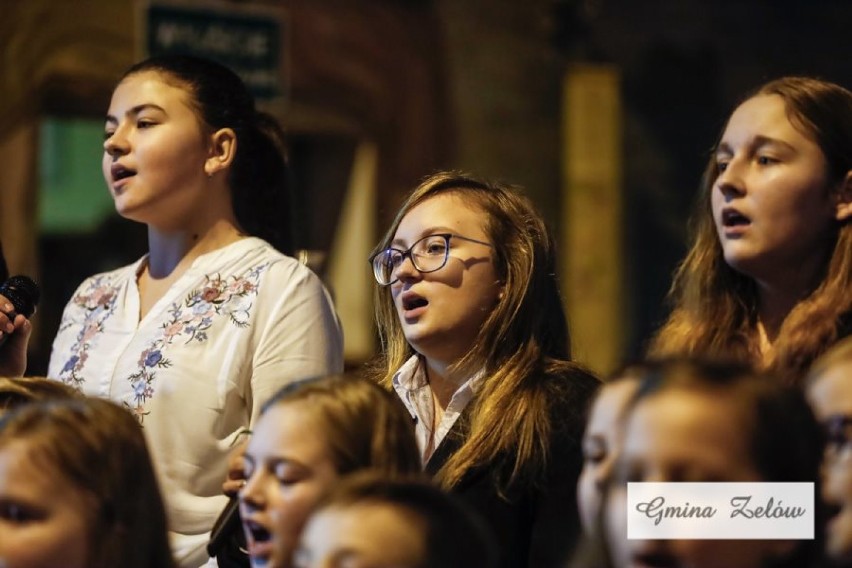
(715, 307)
(523, 346)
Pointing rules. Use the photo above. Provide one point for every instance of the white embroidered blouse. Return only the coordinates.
(240, 323)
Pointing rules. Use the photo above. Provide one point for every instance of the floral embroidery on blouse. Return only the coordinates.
(98, 302)
(189, 322)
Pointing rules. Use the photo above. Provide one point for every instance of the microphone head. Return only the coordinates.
(22, 293)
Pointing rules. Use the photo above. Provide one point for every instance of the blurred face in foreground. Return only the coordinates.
(830, 396)
(684, 435)
(289, 468)
(43, 517)
(601, 442)
(363, 535)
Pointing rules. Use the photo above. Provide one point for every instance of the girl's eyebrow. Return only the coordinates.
(274, 461)
(760, 141)
(110, 119)
(438, 230)
(724, 149)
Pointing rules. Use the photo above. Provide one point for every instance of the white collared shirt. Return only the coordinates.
(412, 387)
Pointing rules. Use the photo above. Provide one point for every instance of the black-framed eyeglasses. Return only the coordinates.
(427, 255)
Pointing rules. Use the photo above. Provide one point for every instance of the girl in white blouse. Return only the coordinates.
(216, 317)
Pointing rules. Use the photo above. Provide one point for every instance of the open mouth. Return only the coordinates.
(414, 302)
(259, 540)
(258, 533)
(733, 218)
(120, 172)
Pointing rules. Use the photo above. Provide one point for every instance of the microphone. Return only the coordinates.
(23, 294)
(227, 526)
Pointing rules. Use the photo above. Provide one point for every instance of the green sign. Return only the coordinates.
(247, 42)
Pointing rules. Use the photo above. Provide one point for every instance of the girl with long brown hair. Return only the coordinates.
(768, 279)
(475, 343)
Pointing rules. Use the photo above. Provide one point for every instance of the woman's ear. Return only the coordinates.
(223, 148)
(843, 206)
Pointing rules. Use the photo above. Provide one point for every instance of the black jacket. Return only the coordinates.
(535, 523)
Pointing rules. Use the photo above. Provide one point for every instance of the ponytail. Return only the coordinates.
(259, 180)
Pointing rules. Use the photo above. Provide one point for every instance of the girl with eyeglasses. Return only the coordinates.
(476, 345)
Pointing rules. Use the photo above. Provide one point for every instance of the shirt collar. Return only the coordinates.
(412, 376)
